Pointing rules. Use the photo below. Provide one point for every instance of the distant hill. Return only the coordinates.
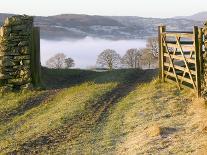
(107, 27)
(201, 16)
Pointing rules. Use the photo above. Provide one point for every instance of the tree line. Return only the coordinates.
(110, 59)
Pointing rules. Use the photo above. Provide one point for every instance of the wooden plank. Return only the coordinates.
(184, 47)
(185, 61)
(190, 32)
(187, 53)
(179, 77)
(171, 61)
(173, 82)
(183, 35)
(177, 57)
(179, 68)
(181, 42)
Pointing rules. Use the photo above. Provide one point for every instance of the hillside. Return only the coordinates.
(118, 112)
(201, 16)
(106, 27)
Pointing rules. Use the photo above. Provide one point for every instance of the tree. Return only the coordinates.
(109, 59)
(56, 61)
(148, 57)
(132, 58)
(153, 46)
(69, 62)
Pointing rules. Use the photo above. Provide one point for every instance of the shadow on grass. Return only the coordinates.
(96, 110)
(64, 78)
(56, 79)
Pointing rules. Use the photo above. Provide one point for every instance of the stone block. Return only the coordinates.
(19, 81)
(23, 33)
(24, 50)
(5, 31)
(4, 48)
(27, 86)
(7, 61)
(4, 76)
(26, 62)
(6, 89)
(22, 57)
(19, 28)
(23, 43)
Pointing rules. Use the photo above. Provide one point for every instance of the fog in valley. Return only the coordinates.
(85, 51)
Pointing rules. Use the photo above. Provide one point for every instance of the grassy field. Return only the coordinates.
(117, 112)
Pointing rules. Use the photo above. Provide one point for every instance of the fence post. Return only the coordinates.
(201, 40)
(161, 29)
(197, 39)
(35, 57)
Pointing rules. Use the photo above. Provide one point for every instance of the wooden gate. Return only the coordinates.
(180, 58)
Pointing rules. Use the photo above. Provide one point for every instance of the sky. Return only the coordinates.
(144, 8)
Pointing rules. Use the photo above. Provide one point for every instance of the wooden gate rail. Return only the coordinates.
(180, 57)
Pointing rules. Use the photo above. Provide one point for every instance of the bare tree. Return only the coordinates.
(153, 46)
(132, 58)
(148, 58)
(109, 59)
(69, 62)
(56, 61)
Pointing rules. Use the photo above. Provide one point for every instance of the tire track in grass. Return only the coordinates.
(84, 122)
(29, 104)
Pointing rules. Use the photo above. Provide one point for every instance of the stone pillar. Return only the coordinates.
(15, 52)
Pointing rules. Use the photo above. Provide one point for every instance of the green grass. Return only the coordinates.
(144, 107)
(58, 78)
(42, 119)
(83, 87)
(152, 118)
(12, 100)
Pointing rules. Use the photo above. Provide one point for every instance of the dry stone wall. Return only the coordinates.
(15, 52)
(204, 77)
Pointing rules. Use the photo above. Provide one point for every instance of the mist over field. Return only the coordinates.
(85, 51)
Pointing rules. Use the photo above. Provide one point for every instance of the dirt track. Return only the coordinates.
(95, 115)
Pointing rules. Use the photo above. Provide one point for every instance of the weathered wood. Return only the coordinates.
(180, 58)
(201, 43)
(181, 42)
(188, 52)
(179, 77)
(197, 58)
(161, 29)
(171, 61)
(183, 35)
(188, 32)
(185, 61)
(36, 64)
(179, 68)
(173, 82)
(184, 47)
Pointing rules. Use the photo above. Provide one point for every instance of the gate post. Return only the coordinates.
(35, 57)
(161, 29)
(198, 57)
